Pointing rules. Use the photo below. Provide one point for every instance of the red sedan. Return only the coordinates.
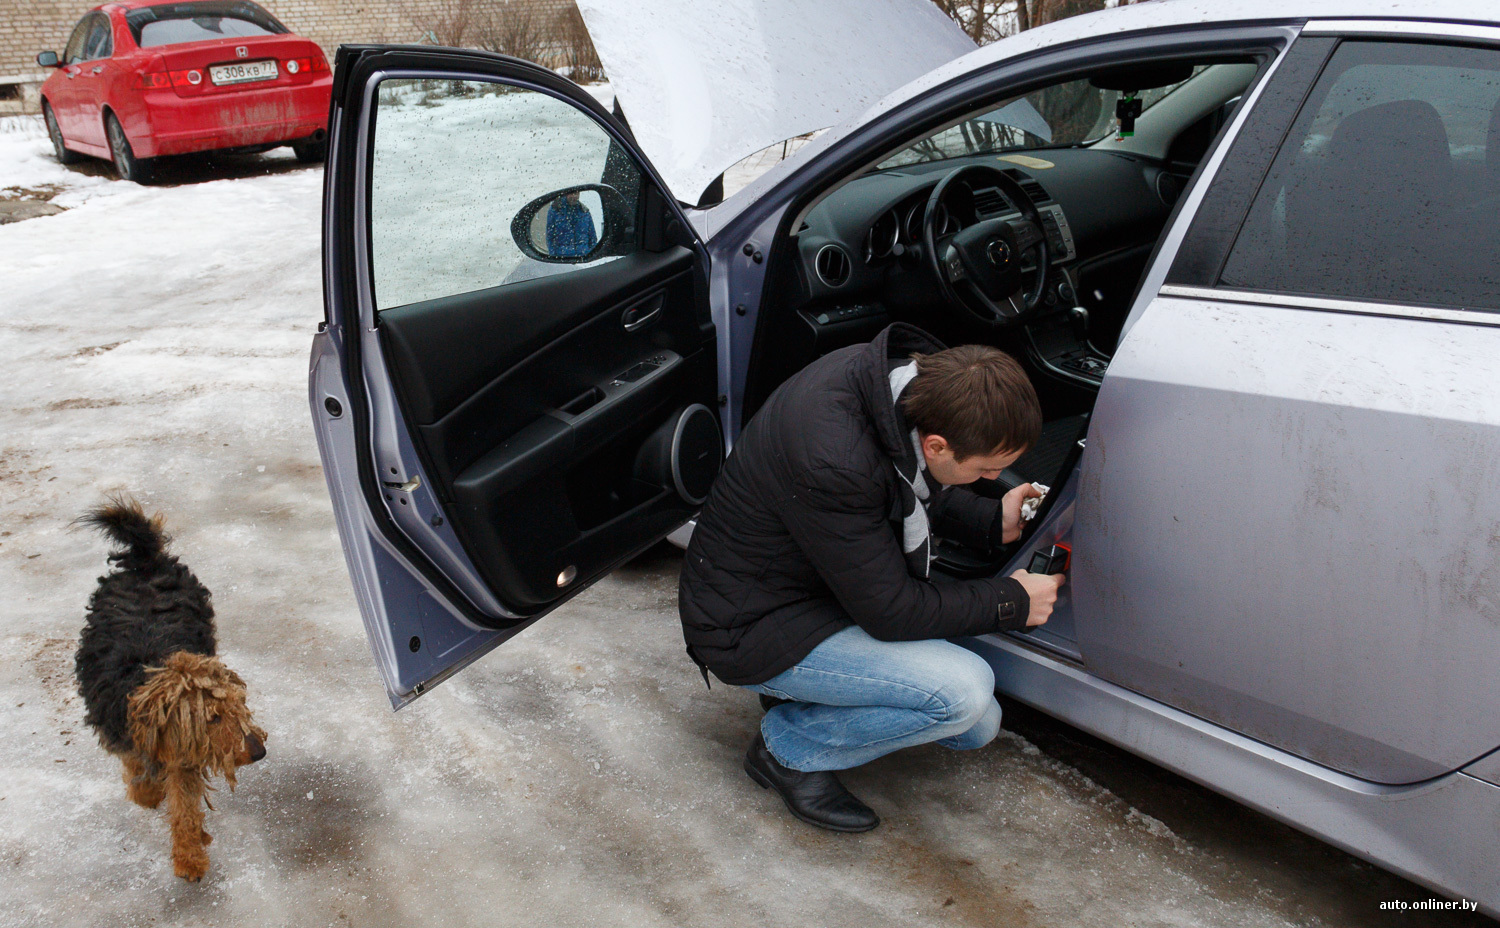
(144, 78)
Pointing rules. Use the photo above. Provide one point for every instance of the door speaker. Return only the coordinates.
(684, 454)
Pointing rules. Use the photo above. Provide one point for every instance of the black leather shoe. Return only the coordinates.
(816, 798)
(770, 702)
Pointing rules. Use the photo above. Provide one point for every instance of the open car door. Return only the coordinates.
(515, 390)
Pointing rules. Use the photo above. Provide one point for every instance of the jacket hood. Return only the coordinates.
(896, 342)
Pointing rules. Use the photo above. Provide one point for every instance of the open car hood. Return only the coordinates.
(704, 85)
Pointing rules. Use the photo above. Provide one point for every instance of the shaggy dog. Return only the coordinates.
(153, 689)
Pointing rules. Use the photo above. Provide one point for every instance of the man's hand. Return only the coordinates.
(1042, 589)
(1010, 511)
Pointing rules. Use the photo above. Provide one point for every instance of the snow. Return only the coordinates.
(155, 340)
(27, 163)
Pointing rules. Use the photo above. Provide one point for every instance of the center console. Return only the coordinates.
(1059, 336)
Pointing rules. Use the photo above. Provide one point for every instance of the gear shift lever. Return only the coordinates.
(1080, 318)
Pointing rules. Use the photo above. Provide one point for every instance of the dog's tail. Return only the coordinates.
(124, 523)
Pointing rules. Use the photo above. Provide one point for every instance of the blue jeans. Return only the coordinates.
(855, 699)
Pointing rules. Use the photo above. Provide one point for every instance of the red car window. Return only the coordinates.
(74, 52)
(170, 24)
(100, 43)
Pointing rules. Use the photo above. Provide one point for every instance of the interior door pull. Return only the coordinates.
(643, 312)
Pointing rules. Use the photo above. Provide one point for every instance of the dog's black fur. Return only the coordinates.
(148, 608)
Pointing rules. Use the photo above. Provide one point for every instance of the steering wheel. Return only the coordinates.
(978, 268)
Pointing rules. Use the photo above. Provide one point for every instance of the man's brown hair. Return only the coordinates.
(976, 397)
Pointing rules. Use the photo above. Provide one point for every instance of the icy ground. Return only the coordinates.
(155, 340)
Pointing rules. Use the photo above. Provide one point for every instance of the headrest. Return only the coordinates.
(1405, 138)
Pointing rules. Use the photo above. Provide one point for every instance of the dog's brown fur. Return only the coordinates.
(156, 693)
(188, 722)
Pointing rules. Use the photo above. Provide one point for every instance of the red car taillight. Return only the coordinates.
(319, 63)
(298, 65)
(153, 80)
(188, 78)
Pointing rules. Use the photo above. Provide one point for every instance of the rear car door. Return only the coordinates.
(1289, 516)
(516, 387)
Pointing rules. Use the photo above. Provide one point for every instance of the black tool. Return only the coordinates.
(1053, 560)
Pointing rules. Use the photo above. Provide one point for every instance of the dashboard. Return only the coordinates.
(1102, 210)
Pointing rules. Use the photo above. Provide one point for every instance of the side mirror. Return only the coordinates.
(572, 225)
(48, 60)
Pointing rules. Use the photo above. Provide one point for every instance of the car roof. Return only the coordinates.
(1165, 14)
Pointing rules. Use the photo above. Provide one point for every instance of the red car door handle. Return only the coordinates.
(97, 69)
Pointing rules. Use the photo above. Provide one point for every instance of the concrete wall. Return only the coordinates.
(30, 26)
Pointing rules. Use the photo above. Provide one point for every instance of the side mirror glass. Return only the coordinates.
(572, 225)
(48, 60)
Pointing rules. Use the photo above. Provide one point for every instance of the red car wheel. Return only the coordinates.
(127, 165)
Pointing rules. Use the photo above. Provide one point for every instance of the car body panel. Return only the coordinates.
(705, 85)
(1318, 513)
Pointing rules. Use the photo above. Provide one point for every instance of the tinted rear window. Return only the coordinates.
(1388, 184)
(175, 23)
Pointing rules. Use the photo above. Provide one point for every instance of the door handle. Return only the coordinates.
(97, 69)
(643, 312)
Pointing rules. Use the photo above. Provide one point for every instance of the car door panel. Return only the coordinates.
(62, 96)
(507, 408)
(1288, 510)
(485, 386)
(1290, 525)
(531, 450)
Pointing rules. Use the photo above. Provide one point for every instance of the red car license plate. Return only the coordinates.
(242, 72)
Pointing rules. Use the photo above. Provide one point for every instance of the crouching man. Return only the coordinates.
(807, 578)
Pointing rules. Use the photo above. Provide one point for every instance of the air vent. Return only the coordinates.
(833, 265)
(989, 201)
(1031, 185)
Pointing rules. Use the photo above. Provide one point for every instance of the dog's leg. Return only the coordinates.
(141, 787)
(185, 805)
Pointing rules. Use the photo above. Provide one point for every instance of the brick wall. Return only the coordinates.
(30, 26)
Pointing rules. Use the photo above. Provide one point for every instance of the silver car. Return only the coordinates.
(1247, 251)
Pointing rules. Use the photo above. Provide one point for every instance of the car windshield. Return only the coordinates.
(1071, 113)
(174, 23)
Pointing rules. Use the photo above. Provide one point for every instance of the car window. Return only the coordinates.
(73, 53)
(1387, 185)
(1068, 113)
(99, 43)
(202, 21)
(475, 185)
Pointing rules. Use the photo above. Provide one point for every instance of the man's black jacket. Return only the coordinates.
(801, 535)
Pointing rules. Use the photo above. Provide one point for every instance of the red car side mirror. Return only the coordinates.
(48, 60)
